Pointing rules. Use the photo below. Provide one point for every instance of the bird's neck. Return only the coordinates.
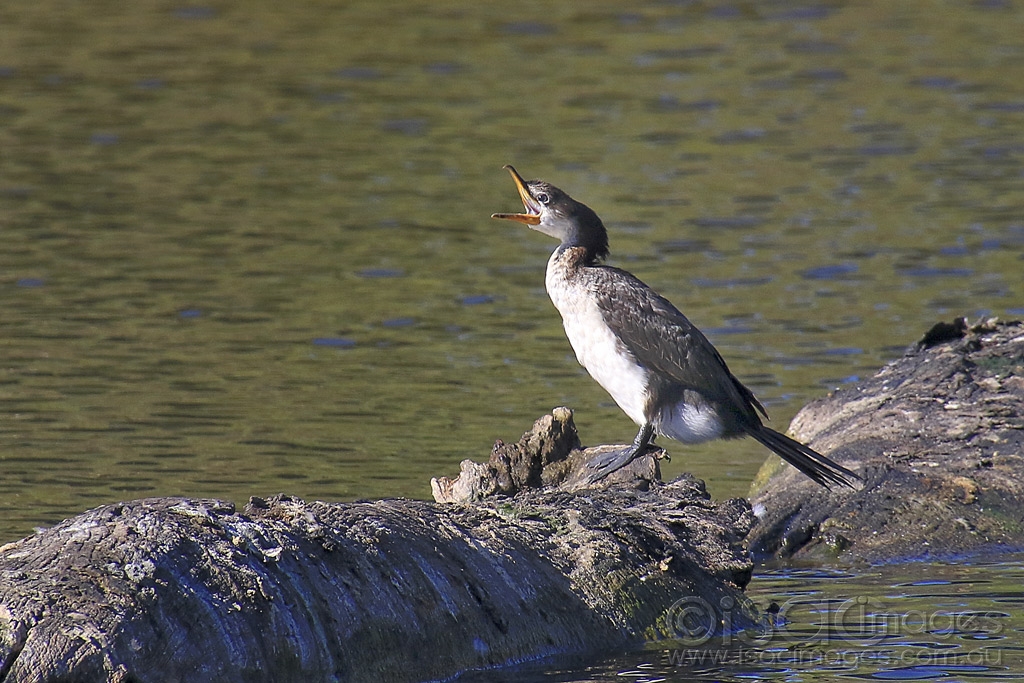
(565, 267)
(567, 260)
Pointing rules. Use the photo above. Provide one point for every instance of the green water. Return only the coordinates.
(246, 247)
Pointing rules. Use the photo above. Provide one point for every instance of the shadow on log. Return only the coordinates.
(394, 590)
(938, 437)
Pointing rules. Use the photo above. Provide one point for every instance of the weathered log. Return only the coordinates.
(549, 455)
(395, 590)
(938, 436)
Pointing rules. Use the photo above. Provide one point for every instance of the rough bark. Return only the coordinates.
(395, 590)
(938, 436)
(549, 455)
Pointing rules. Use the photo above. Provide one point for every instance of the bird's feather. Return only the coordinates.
(663, 340)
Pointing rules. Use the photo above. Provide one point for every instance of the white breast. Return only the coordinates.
(595, 345)
(689, 423)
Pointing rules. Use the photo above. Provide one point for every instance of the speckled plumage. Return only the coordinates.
(614, 323)
(657, 366)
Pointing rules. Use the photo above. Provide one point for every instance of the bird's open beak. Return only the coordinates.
(532, 215)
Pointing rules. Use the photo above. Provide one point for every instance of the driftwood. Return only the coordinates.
(529, 563)
(938, 436)
(394, 590)
(548, 456)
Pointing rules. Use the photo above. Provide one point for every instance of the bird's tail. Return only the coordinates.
(806, 459)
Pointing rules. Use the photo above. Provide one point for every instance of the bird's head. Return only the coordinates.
(554, 213)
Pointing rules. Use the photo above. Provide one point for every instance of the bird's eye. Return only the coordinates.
(542, 197)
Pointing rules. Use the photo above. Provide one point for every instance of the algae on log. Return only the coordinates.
(938, 436)
(175, 589)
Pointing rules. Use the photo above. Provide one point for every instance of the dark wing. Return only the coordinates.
(661, 338)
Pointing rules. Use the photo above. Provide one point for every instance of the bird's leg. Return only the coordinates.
(600, 466)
